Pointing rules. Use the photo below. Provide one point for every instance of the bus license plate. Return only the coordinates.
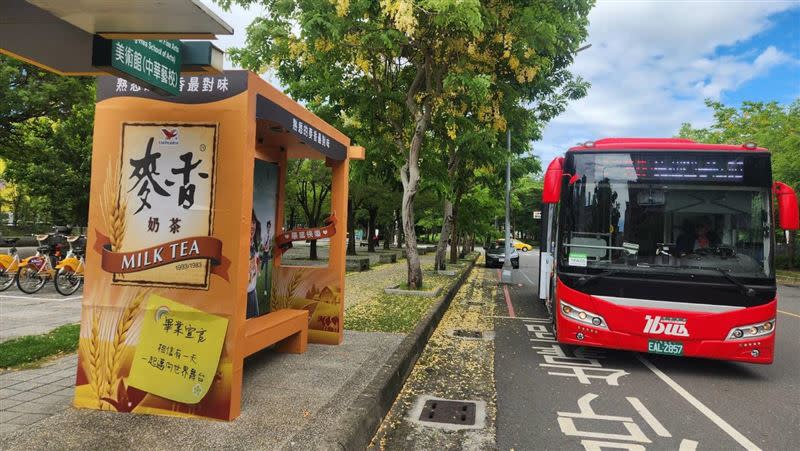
(665, 347)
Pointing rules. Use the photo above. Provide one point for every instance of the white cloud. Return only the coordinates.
(652, 63)
(239, 18)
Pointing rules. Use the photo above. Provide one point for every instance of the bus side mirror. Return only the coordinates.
(788, 213)
(551, 191)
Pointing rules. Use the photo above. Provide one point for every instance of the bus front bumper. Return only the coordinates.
(757, 350)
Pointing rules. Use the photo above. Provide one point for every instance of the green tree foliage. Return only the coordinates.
(526, 197)
(45, 138)
(770, 125)
(308, 187)
(391, 68)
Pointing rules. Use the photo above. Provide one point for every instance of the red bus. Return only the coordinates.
(664, 246)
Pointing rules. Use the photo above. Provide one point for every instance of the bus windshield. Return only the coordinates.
(674, 212)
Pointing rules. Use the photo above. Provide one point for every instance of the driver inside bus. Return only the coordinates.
(701, 238)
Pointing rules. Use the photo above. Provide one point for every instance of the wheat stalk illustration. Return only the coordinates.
(291, 288)
(111, 370)
(93, 369)
(273, 295)
(114, 205)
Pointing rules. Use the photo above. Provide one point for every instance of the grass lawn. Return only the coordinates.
(388, 313)
(32, 348)
(788, 274)
(395, 313)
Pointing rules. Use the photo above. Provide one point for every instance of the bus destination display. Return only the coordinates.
(688, 167)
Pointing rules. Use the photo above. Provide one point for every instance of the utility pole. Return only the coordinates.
(507, 260)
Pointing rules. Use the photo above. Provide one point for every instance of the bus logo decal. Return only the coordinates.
(666, 326)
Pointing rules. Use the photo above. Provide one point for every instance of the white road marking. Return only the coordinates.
(727, 428)
(524, 318)
(32, 298)
(687, 445)
(787, 313)
(658, 428)
(566, 422)
(526, 276)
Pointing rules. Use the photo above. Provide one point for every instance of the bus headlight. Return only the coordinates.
(752, 330)
(582, 316)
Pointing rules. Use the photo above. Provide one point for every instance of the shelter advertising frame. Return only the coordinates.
(175, 241)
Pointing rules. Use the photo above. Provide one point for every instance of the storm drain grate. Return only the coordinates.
(463, 333)
(461, 413)
(467, 334)
(448, 414)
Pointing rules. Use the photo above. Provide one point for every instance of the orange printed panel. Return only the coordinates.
(317, 290)
(165, 257)
(169, 252)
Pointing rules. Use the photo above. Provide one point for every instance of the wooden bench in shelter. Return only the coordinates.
(286, 327)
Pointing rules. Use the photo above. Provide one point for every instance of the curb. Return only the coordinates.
(362, 418)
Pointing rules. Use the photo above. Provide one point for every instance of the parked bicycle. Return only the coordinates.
(69, 271)
(35, 271)
(9, 265)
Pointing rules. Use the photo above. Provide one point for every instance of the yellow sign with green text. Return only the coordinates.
(178, 352)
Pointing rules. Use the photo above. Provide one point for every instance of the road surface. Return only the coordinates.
(590, 399)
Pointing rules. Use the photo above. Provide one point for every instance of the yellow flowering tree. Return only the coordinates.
(400, 65)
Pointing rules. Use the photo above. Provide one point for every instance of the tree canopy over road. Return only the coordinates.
(429, 87)
(46, 141)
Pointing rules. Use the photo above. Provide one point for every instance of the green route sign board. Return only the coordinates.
(153, 64)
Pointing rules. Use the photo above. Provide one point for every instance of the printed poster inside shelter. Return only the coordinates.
(262, 232)
(167, 178)
(143, 348)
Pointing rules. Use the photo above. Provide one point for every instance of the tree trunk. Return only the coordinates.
(414, 276)
(372, 217)
(291, 218)
(400, 236)
(351, 229)
(791, 249)
(454, 244)
(313, 252)
(17, 203)
(454, 234)
(409, 175)
(387, 235)
(441, 247)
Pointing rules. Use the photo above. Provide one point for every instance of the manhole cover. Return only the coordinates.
(462, 333)
(461, 413)
(448, 414)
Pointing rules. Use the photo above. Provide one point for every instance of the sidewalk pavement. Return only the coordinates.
(284, 395)
(33, 395)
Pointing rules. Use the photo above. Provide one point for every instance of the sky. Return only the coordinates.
(653, 63)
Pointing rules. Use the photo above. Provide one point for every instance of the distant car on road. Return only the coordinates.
(516, 244)
(495, 256)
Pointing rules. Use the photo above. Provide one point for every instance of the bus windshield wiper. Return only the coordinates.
(583, 280)
(747, 291)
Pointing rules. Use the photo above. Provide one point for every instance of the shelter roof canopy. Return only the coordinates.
(57, 35)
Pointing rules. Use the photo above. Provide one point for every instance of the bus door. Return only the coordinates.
(547, 234)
